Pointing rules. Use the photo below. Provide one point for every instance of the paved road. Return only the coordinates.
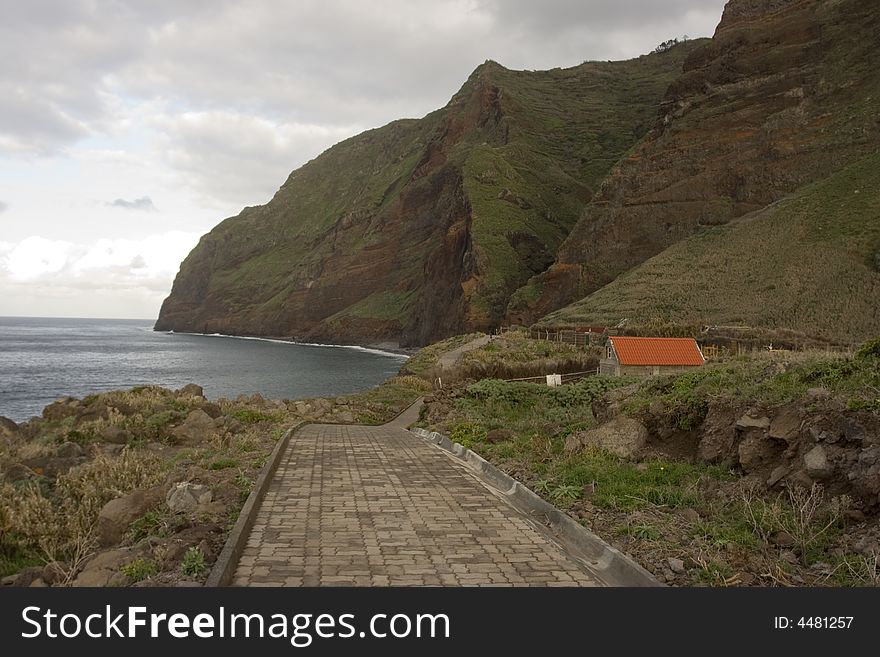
(377, 506)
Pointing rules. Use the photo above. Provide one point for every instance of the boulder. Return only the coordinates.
(8, 428)
(16, 472)
(118, 514)
(786, 425)
(345, 417)
(196, 429)
(191, 390)
(115, 435)
(187, 496)
(212, 409)
(756, 452)
(816, 463)
(747, 422)
(69, 450)
(622, 436)
(62, 408)
(104, 569)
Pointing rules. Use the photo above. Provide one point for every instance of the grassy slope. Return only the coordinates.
(811, 262)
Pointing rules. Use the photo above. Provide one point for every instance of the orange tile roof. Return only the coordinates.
(657, 351)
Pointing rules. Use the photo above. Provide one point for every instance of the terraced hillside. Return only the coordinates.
(809, 263)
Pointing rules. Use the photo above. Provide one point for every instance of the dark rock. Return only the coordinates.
(499, 436)
(854, 515)
(786, 425)
(24, 577)
(757, 452)
(783, 539)
(60, 409)
(191, 390)
(212, 409)
(777, 475)
(8, 428)
(69, 450)
(17, 472)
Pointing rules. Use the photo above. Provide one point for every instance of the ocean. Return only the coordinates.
(43, 359)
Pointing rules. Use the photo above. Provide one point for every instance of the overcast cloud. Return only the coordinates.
(192, 110)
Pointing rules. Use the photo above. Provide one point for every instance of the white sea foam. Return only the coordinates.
(354, 347)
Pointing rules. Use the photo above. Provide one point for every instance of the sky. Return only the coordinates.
(129, 128)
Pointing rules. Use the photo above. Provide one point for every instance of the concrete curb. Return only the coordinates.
(224, 568)
(611, 566)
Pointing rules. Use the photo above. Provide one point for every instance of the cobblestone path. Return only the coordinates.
(377, 506)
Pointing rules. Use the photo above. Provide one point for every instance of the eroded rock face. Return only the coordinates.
(763, 109)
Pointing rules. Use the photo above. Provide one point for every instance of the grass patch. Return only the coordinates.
(139, 570)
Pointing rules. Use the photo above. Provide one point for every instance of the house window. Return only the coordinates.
(609, 352)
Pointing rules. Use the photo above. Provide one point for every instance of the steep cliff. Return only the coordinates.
(786, 93)
(425, 227)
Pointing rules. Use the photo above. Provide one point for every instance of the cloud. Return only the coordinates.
(43, 270)
(228, 156)
(3, 207)
(145, 204)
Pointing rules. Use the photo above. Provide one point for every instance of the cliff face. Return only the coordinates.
(786, 93)
(425, 227)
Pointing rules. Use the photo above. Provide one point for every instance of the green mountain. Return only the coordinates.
(785, 94)
(424, 228)
(809, 263)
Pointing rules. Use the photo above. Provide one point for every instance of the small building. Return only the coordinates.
(650, 356)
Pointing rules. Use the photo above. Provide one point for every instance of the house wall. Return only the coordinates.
(609, 367)
(649, 370)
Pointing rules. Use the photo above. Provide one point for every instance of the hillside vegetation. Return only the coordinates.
(810, 262)
(785, 94)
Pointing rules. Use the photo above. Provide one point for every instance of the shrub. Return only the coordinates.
(139, 570)
(193, 563)
(467, 434)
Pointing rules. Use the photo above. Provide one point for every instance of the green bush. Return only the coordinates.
(193, 563)
(139, 570)
(467, 434)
